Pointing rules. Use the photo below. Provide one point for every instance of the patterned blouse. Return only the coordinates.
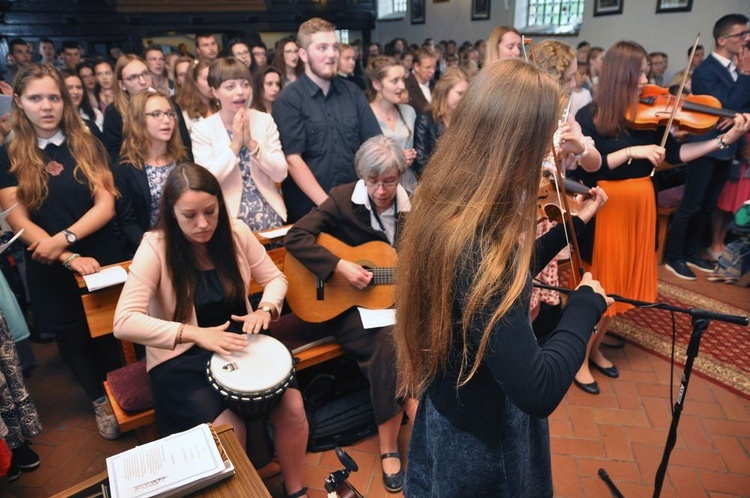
(157, 175)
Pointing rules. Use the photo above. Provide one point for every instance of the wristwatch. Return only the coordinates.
(70, 236)
(720, 145)
(267, 309)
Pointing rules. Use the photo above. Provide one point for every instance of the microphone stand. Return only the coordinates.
(700, 319)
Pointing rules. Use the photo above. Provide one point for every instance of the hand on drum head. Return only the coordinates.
(254, 322)
(215, 339)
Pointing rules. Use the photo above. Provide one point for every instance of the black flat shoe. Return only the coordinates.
(592, 388)
(618, 342)
(393, 482)
(612, 371)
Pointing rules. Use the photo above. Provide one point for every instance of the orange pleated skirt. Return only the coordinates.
(624, 255)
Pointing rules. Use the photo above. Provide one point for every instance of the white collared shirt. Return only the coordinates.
(388, 218)
(727, 63)
(426, 91)
(57, 139)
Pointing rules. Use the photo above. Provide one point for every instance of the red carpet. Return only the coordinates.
(724, 355)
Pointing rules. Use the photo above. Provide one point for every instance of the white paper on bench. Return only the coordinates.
(275, 234)
(108, 277)
(372, 319)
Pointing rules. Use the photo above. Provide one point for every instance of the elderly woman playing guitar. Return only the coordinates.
(357, 213)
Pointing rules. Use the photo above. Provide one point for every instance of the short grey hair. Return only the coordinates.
(378, 155)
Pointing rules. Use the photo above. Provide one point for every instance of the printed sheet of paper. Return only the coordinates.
(163, 466)
(276, 233)
(106, 278)
(372, 319)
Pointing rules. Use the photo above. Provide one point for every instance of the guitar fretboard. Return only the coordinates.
(382, 275)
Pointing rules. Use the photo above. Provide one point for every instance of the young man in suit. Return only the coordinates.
(725, 74)
(420, 82)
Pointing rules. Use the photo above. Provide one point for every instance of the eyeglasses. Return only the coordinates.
(161, 114)
(259, 53)
(104, 73)
(741, 34)
(290, 51)
(241, 54)
(389, 185)
(133, 77)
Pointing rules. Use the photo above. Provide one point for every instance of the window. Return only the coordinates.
(343, 35)
(391, 9)
(549, 16)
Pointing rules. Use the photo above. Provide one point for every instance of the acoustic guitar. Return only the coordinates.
(313, 300)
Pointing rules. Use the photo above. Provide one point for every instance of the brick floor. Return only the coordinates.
(623, 430)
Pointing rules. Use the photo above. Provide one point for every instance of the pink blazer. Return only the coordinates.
(146, 306)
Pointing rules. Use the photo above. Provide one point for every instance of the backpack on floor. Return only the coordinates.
(337, 402)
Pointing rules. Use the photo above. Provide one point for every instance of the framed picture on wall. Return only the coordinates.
(480, 10)
(608, 7)
(417, 11)
(663, 6)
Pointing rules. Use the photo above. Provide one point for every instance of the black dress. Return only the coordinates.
(56, 301)
(183, 397)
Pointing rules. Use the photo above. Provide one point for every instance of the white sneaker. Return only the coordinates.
(106, 422)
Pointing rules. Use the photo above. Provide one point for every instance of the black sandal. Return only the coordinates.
(393, 482)
(298, 494)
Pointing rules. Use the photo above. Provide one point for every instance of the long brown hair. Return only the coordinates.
(477, 197)
(259, 92)
(120, 97)
(181, 260)
(135, 138)
(189, 96)
(26, 161)
(617, 92)
(377, 69)
(449, 79)
(278, 57)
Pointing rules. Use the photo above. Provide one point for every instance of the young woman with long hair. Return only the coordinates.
(429, 126)
(85, 71)
(104, 74)
(241, 147)
(623, 256)
(181, 67)
(194, 96)
(504, 43)
(385, 84)
(186, 298)
(151, 148)
(58, 174)
(268, 84)
(464, 341)
(286, 59)
(77, 92)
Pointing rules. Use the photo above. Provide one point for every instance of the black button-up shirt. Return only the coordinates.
(325, 130)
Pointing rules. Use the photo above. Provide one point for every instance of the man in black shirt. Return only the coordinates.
(322, 122)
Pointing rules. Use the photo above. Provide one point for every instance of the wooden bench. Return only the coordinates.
(100, 311)
(667, 203)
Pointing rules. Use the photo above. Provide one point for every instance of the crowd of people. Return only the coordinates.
(173, 160)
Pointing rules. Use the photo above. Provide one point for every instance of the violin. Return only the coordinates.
(548, 199)
(696, 113)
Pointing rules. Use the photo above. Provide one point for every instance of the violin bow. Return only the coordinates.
(562, 194)
(678, 97)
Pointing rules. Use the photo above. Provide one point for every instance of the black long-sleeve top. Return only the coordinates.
(514, 366)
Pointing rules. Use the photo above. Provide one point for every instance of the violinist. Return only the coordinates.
(623, 256)
(725, 74)
(572, 148)
(463, 336)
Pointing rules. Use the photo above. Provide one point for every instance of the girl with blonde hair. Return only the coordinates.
(194, 95)
(151, 148)
(504, 43)
(465, 345)
(57, 173)
(429, 126)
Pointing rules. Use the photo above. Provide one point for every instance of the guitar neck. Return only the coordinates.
(381, 276)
